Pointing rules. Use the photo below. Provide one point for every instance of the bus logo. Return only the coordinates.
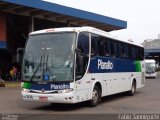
(43, 89)
(105, 65)
(59, 87)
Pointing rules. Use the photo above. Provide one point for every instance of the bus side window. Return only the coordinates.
(133, 53)
(119, 50)
(101, 46)
(83, 56)
(112, 49)
(83, 43)
(115, 49)
(129, 52)
(126, 52)
(137, 53)
(107, 47)
(141, 54)
(94, 46)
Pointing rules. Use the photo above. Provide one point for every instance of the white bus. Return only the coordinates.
(76, 64)
(150, 68)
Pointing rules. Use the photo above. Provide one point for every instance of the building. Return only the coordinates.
(20, 17)
(152, 49)
(151, 44)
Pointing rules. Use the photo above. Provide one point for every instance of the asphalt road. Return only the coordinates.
(146, 100)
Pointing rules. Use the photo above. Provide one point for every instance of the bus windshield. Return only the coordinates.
(150, 67)
(49, 57)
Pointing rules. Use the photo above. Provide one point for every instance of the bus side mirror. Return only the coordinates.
(78, 51)
(19, 56)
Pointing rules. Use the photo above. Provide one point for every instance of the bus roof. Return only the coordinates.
(80, 29)
(150, 61)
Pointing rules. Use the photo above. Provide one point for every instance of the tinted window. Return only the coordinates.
(83, 43)
(141, 53)
(97, 45)
(83, 56)
(103, 46)
(120, 50)
(94, 45)
(126, 55)
(107, 47)
(112, 49)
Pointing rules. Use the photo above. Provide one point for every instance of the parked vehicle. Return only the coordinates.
(150, 68)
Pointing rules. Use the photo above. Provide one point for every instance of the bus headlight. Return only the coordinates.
(66, 90)
(25, 90)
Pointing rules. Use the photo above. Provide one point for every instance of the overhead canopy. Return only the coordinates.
(54, 12)
(152, 52)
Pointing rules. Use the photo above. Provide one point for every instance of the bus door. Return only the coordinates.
(82, 77)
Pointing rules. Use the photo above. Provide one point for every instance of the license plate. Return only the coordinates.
(43, 98)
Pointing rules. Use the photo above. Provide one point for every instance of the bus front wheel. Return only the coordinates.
(95, 96)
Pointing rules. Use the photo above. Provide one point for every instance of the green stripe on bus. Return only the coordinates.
(138, 66)
(27, 85)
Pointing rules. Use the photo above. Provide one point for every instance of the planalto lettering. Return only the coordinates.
(105, 65)
(59, 87)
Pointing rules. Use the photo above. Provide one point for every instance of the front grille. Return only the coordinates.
(43, 92)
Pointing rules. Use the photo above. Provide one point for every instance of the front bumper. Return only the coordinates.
(53, 98)
(150, 74)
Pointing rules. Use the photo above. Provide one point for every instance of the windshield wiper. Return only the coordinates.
(46, 63)
(36, 69)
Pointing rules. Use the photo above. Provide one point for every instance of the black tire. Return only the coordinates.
(133, 89)
(95, 97)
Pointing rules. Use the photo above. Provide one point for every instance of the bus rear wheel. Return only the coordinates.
(133, 89)
(95, 96)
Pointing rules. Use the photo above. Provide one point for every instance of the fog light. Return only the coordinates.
(65, 91)
(25, 90)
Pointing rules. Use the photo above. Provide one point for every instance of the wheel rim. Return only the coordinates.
(95, 96)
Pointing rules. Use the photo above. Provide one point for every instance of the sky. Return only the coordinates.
(142, 16)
